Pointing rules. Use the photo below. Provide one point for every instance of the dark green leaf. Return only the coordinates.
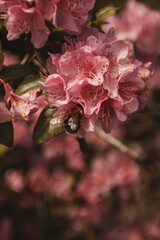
(17, 71)
(28, 84)
(44, 130)
(6, 134)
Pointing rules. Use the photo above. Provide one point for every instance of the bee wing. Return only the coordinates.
(58, 119)
(56, 125)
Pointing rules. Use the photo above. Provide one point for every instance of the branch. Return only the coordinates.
(118, 144)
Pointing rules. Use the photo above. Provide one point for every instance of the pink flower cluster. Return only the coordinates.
(30, 15)
(98, 73)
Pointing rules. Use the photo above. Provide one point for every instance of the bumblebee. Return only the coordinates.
(72, 119)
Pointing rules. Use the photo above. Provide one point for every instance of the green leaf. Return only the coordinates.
(44, 130)
(17, 71)
(28, 84)
(6, 134)
(105, 12)
(101, 16)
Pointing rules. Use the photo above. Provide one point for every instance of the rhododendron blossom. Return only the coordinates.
(69, 14)
(23, 16)
(18, 106)
(98, 73)
(72, 14)
(23, 19)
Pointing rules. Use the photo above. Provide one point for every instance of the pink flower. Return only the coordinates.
(69, 14)
(131, 97)
(89, 96)
(86, 66)
(23, 19)
(117, 52)
(99, 76)
(19, 106)
(72, 15)
(4, 5)
(56, 92)
(48, 9)
(25, 16)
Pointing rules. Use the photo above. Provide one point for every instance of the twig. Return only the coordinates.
(118, 144)
(25, 59)
(36, 62)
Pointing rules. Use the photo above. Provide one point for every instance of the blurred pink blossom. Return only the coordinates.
(67, 147)
(37, 179)
(115, 169)
(82, 216)
(60, 184)
(14, 180)
(137, 26)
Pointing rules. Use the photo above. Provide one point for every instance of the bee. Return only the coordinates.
(70, 119)
(73, 117)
